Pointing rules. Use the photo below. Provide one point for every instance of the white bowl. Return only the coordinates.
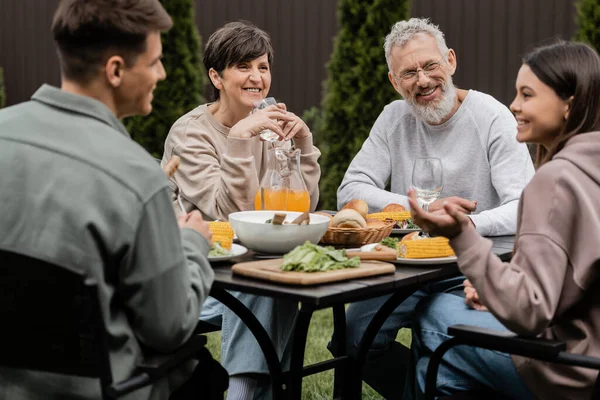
(254, 233)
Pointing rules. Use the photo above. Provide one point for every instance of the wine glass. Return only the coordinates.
(427, 180)
(267, 135)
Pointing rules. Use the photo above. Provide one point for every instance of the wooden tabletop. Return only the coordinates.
(326, 295)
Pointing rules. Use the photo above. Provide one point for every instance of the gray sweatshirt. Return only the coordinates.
(481, 157)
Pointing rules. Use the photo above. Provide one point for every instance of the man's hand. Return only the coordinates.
(472, 298)
(195, 221)
(171, 166)
(437, 224)
(464, 205)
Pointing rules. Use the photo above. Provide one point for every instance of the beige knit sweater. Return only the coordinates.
(218, 174)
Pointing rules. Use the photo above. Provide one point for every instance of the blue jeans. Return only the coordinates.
(463, 368)
(388, 360)
(360, 314)
(240, 352)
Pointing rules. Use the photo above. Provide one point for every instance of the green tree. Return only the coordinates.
(588, 21)
(2, 92)
(183, 88)
(357, 87)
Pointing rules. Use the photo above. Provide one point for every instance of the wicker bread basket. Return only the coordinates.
(357, 236)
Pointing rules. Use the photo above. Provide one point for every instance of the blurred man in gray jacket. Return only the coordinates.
(83, 195)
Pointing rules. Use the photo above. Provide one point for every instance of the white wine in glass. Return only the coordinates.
(427, 180)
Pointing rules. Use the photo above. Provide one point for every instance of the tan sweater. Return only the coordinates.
(219, 174)
(551, 287)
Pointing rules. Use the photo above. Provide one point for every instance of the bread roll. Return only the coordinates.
(411, 236)
(374, 223)
(348, 219)
(393, 207)
(360, 206)
(324, 213)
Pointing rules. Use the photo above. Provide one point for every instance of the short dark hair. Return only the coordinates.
(87, 32)
(569, 69)
(234, 43)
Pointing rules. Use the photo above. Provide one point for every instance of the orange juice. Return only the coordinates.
(283, 199)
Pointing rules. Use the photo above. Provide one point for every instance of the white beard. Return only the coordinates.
(434, 113)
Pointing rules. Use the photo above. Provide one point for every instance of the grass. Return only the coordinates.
(318, 386)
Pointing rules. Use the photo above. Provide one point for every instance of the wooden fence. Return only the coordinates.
(489, 37)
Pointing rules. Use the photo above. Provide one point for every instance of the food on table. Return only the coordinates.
(435, 247)
(348, 218)
(375, 223)
(390, 242)
(171, 166)
(222, 233)
(413, 236)
(396, 216)
(359, 206)
(393, 207)
(406, 224)
(216, 250)
(277, 219)
(325, 214)
(302, 219)
(312, 258)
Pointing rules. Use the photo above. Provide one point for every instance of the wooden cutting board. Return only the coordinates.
(269, 270)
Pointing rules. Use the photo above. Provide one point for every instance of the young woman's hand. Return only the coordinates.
(472, 298)
(449, 225)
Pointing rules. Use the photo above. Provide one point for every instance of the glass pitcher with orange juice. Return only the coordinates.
(282, 187)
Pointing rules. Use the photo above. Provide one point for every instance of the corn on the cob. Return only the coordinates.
(425, 248)
(396, 216)
(222, 232)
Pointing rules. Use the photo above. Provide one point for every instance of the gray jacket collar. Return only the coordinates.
(54, 97)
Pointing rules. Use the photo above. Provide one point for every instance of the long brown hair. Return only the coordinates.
(569, 69)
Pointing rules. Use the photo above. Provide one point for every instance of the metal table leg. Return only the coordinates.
(341, 378)
(369, 335)
(298, 347)
(263, 339)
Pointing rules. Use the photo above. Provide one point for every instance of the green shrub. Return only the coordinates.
(588, 21)
(2, 90)
(357, 87)
(183, 88)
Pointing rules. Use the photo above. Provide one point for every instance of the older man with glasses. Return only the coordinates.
(485, 169)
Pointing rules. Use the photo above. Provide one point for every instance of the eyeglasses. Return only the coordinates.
(411, 75)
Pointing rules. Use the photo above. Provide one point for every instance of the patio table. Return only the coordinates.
(348, 372)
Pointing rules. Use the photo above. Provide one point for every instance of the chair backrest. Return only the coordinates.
(51, 319)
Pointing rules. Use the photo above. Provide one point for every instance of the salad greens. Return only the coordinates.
(217, 250)
(391, 242)
(312, 258)
(407, 224)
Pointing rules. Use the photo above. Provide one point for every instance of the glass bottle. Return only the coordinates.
(282, 187)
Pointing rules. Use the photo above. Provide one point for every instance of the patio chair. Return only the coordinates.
(506, 342)
(52, 322)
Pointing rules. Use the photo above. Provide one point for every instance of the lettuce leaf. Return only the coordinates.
(312, 258)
